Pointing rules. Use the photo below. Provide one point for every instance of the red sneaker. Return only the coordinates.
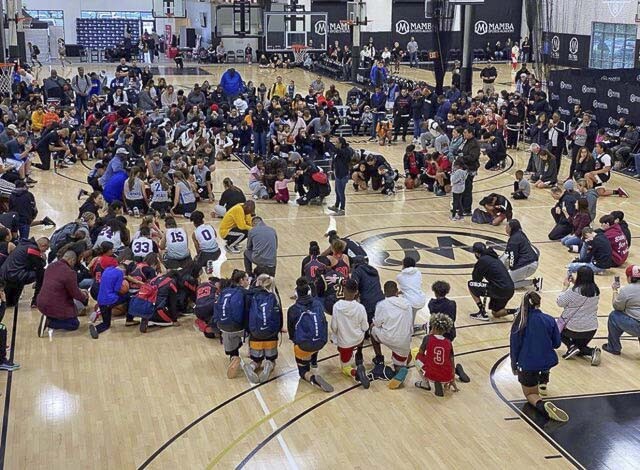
(200, 324)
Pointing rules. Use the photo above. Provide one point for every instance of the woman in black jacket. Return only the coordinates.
(520, 258)
(491, 279)
(342, 172)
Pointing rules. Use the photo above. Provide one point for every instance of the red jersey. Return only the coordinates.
(444, 163)
(103, 263)
(437, 359)
(414, 169)
(341, 266)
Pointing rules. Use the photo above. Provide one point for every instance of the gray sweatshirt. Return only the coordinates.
(628, 300)
(458, 178)
(262, 245)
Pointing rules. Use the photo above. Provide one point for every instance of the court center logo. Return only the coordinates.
(431, 248)
(320, 28)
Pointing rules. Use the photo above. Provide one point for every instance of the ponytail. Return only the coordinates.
(530, 301)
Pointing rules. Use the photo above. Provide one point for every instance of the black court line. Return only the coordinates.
(297, 417)
(549, 457)
(7, 398)
(585, 395)
(512, 418)
(68, 177)
(540, 431)
(230, 400)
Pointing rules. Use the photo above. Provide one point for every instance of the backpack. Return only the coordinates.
(228, 310)
(62, 236)
(311, 328)
(144, 303)
(320, 177)
(264, 316)
(481, 217)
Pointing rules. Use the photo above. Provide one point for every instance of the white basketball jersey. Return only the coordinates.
(177, 244)
(206, 236)
(141, 247)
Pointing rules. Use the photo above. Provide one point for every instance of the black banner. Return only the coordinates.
(408, 20)
(496, 20)
(336, 11)
(569, 50)
(608, 94)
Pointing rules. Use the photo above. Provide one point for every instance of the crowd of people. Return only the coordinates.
(152, 150)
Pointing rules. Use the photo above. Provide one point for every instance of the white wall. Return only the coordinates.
(379, 15)
(576, 16)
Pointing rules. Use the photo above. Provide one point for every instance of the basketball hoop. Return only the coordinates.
(349, 22)
(6, 74)
(298, 52)
(26, 21)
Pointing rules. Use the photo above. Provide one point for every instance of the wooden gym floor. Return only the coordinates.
(162, 400)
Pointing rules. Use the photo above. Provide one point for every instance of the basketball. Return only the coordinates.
(125, 288)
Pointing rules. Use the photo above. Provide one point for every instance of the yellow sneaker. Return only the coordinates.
(555, 413)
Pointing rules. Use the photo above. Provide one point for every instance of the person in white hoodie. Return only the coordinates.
(410, 284)
(392, 326)
(348, 327)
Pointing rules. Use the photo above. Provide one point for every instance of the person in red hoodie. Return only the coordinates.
(413, 165)
(617, 239)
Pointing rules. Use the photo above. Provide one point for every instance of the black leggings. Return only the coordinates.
(579, 339)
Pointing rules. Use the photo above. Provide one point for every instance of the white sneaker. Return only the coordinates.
(267, 368)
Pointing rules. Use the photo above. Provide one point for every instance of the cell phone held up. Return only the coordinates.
(616, 282)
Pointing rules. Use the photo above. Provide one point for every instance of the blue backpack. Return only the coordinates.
(264, 316)
(311, 329)
(229, 308)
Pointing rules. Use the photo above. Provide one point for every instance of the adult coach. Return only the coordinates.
(342, 172)
(412, 49)
(488, 76)
(51, 142)
(236, 223)
(60, 299)
(471, 157)
(625, 318)
(520, 257)
(262, 248)
(24, 265)
(490, 278)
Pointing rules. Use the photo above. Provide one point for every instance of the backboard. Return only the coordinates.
(169, 8)
(284, 29)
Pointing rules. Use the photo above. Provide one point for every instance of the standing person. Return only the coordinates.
(378, 109)
(378, 74)
(488, 75)
(230, 314)
(60, 299)
(308, 330)
(262, 248)
(348, 327)
(62, 52)
(392, 326)
(412, 49)
(341, 171)
(557, 130)
(625, 317)
(458, 185)
(235, 225)
(81, 85)
(264, 325)
(231, 83)
(34, 52)
(491, 279)
(520, 257)
(579, 319)
(205, 241)
(534, 338)
(401, 114)
(5, 363)
(515, 56)
(471, 158)
(410, 285)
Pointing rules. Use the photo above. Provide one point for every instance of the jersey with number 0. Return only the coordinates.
(206, 236)
(177, 244)
(437, 359)
(141, 247)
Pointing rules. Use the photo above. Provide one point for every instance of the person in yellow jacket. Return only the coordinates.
(278, 89)
(236, 224)
(37, 120)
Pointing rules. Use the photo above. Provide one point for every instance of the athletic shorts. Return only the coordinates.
(301, 354)
(346, 354)
(497, 300)
(601, 178)
(532, 378)
(398, 355)
(263, 349)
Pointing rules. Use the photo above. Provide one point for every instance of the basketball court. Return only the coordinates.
(162, 400)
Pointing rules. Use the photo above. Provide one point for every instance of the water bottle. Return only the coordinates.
(136, 212)
(209, 269)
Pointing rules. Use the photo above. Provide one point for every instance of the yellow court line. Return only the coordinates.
(252, 428)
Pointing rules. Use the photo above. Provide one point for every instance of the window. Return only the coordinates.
(53, 17)
(613, 46)
(120, 15)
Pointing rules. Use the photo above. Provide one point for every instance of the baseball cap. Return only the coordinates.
(568, 185)
(122, 151)
(633, 271)
(13, 127)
